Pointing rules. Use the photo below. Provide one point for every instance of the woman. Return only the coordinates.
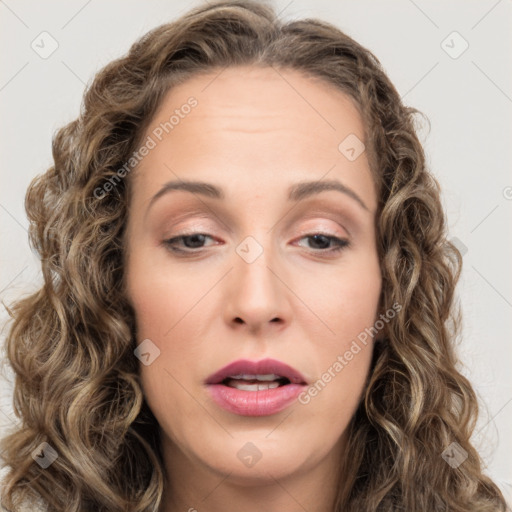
(248, 291)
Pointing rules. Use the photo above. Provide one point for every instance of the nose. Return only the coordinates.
(257, 297)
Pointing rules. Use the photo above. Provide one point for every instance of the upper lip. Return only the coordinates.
(263, 367)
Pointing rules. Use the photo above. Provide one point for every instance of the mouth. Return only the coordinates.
(255, 388)
(247, 382)
(268, 373)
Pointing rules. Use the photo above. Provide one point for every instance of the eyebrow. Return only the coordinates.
(296, 192)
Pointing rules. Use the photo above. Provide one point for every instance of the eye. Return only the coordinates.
(321, 242)
(187, 243)
(191, 241)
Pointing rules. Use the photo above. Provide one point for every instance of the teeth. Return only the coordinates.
(254, 387)
(245, 376)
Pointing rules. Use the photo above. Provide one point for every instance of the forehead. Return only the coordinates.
(246, 94)
(262, 118)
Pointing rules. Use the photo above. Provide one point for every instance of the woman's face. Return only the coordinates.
(250, 281)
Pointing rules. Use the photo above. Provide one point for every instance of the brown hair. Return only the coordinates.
(71, 343)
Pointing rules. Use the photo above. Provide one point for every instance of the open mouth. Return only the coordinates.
(255, 382)
(250, 375)
(255, 388)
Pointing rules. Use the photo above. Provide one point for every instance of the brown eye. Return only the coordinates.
(323, 242)
(187, 242)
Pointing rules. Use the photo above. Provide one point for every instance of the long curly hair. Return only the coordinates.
(71, 343)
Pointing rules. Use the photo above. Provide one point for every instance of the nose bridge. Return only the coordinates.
(257, 292)
(254, 261)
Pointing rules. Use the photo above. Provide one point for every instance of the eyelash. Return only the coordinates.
(341, 243)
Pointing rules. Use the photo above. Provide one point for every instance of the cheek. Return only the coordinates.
(160, 299)
(343, 327)
(162, 309)
(344, 303)
(167, 312)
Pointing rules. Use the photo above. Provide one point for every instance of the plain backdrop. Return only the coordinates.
(451, 60)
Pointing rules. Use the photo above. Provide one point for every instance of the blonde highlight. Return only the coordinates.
(71, 343)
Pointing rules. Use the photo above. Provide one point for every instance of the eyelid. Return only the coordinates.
(312, 220)
(329, 212)
(323, 231)
(195, 228)
(190, 217)
(200, 230)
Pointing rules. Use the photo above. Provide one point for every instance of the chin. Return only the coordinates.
(252, 460)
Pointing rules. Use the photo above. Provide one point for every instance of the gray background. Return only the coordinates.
(467, 97)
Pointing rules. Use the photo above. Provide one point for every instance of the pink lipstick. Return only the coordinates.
(255, 388)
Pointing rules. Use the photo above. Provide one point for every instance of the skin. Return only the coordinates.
(253, 135)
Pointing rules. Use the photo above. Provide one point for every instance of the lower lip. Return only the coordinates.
(254, 403)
